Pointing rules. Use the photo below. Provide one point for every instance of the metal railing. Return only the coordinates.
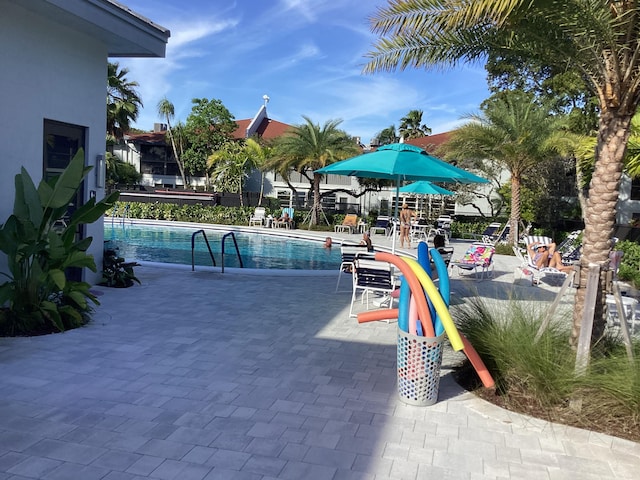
(224, 238)
(193, 238)
(235, 243)
(125, 213)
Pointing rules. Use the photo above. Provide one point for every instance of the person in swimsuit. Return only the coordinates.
(406, 215)
(546, 256)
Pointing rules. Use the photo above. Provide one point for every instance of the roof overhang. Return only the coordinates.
(123, 31)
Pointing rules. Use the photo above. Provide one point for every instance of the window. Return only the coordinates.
(635, 189)
(61, 142)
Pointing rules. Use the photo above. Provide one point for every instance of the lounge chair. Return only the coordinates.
(259, 217)
(284, 223)
(446, 253)
(383, 224)
(349, 224)
(478, 258)
(571, 247)
(528, 268)
(371, 276)
(348, 253)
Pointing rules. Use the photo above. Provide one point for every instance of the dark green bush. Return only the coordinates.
(629, 269)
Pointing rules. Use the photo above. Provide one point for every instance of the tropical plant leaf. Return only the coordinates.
(80, 259)
(27, 201)
(64, 187)
(50, 311)
(58, 277)
(78, 298)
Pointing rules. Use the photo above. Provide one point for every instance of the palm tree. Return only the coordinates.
(229, 167)
(387, 135)
(411, 125)
(600, 40)
(123, 102)
(167, 111)
(259, 155)
(511, 130)
(308, 147)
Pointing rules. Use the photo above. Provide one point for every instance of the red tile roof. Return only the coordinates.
(268, 128)
(150, 137)
(430, 142)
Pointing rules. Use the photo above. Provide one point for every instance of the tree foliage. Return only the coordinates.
(208, 127)
(308, 147)
(167, 111)
(598, 39)
(411, 125)
(123, 102)
(512, 131)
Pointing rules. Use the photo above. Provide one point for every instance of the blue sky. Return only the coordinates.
(306, 55)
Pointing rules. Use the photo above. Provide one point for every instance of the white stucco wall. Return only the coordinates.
(48, 72)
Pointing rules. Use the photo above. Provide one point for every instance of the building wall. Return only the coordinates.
(49, 72)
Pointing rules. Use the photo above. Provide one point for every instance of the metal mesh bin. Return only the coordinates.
(419, 362)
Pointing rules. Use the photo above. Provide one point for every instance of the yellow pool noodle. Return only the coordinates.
(436, 299)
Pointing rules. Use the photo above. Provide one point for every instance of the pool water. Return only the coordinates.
(173, 245)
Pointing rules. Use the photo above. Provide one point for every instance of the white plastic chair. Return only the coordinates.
(371, 276)
(259, 216)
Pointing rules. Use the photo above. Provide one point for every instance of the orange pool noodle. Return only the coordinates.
(376, 315)
(477, 363)
(416, 290)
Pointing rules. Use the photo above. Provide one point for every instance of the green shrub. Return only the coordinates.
(40, 248)
(539, 376)
(629, 269)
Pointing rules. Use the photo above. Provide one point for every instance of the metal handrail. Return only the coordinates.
(193, 261)
(224, 237)
(125, 213)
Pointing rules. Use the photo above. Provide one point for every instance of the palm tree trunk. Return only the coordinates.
(175, 154)
(262, 174)
(315, 214)
(514, 218)
(600, 214)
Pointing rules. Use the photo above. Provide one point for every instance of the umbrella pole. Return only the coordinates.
(395, 219)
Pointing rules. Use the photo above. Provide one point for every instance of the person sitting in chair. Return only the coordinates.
(366, 241)
(285, 218)
(546, 256)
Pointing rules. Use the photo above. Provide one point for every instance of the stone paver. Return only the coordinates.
(202, 375)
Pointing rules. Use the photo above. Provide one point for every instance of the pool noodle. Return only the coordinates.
(376, 315)
(443, 287)
(441, 308)
(403, 305)
(425, 263)
(470, 352)
(477, 363)
(413, 316)
(416, 289)
(443, 275)
(423, 257)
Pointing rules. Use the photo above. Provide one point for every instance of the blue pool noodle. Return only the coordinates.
(403, 305)
(443, 286)
(425, 263)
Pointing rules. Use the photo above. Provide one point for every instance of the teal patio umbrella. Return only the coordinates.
(401, 162)
(425, 187)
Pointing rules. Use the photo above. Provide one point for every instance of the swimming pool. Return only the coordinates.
(172, 244)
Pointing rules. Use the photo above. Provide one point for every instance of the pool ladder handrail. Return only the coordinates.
(235, 243)
(125, 213)
(224, 237)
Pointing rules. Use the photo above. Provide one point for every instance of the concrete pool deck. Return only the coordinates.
(202, 375)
